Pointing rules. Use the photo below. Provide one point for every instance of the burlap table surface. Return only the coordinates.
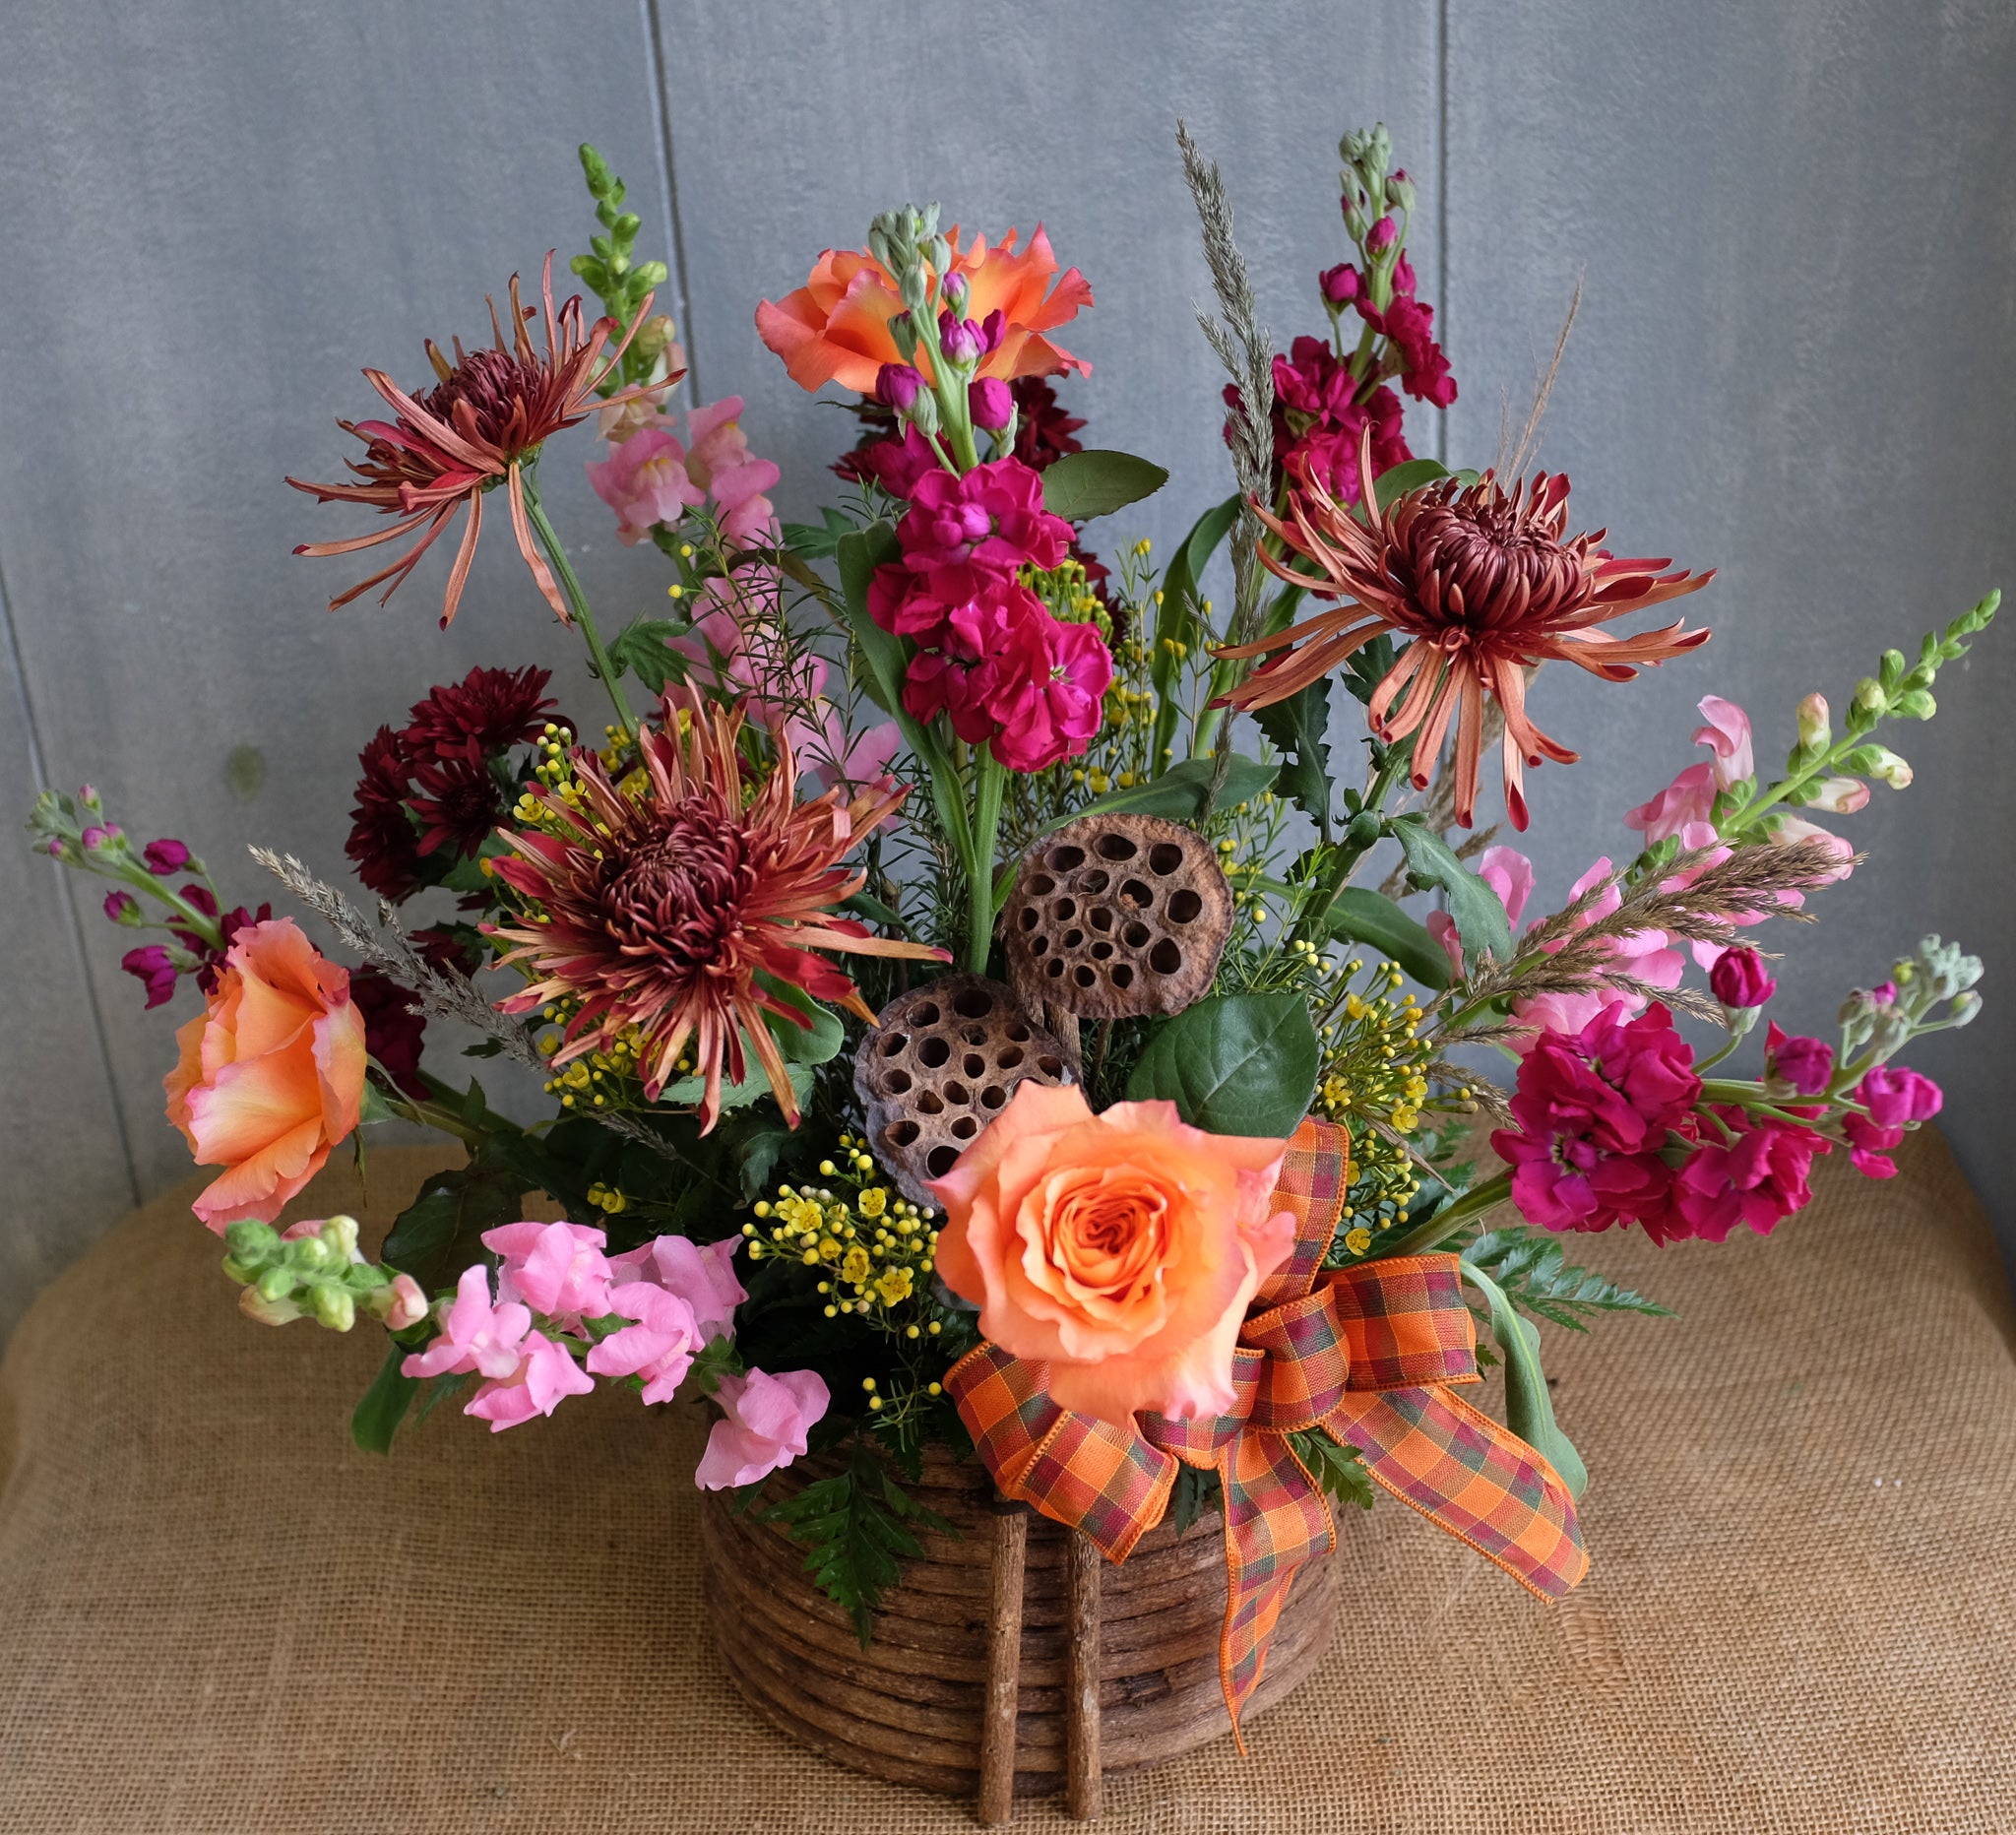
(215, 1614)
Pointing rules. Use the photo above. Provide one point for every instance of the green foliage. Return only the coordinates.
(619, 281)
(384, 1403)
(1409, 474)
(1196, 1490)
(1082, 486)
(1367, 667)
(1298, 728)
(1537, 1278)
(440, 1232)
(643, 649)
(821, 543)
(1179, 621)
(858, 1524)
(1181, 792)
(1339, 1469)
(1359, 915)
(1529, 1409)
(1478, 911)
(1234, 1064)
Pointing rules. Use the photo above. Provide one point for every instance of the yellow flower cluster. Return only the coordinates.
(874, 1247)
(555, 770)
(605, 1079)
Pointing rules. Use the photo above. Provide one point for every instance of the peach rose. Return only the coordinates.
(836, 326)
(272, 1076)
(1122, 1249)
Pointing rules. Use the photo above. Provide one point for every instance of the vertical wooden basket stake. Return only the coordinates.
(1084, 1776)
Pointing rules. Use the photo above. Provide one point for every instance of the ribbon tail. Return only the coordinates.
(1470, 1477)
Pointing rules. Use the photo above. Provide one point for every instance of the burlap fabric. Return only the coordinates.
(216, 1615)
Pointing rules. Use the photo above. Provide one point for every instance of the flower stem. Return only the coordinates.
(1465, 1208)
(577, 599)
(991, 780)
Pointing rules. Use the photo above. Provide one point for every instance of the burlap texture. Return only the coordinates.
(215, 1614)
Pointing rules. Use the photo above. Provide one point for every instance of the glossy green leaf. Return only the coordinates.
(1237, 1064)
(1179, 793)
(1529, 1409)
(1359, 915)
(1082, 486)
(814, 1042)
(1409, 474)
(1478, 913)
(440, 1233)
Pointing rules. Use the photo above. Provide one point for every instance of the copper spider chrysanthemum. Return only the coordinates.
(1486, 586)
(479, 427)
(656, 905)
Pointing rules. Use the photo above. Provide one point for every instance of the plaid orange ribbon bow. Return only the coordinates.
(1366, 1353)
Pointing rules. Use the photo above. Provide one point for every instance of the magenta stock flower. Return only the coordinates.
(546, 1376)
(1738, 978)
(165, 856)
(1897, 1099)
(1807, 1064)
(1759, 1179)
(155, 969)
(767, 1421)
(991, 517)
(474, 1334)
(1342, 284)
(992, 402)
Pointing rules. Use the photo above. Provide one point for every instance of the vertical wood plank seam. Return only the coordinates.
(38, 769)
(1445, 305)
(668, 183)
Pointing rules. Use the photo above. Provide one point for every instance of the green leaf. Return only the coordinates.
(440, 1233)
(1337, 1467)
(857, 1525)
(1178, 620)
(1359, 915)
(814, 1042)
(1195, 1492)
(1411, 474)
(823, 543)
(1535, 1276)
(384, 1406)
(686, 1092)
(1236, 1064)
(1529, 1409)
(1180, 791)
(643, 649)
(1082, 486)
(1299, 729)
(1478, 913)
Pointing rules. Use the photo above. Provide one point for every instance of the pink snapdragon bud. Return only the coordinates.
(1807, 1064)
(1887, 768)
(991, 404)
(1815, 730)
(164, 857)
(1381, 235)
(404, 1303)
(1341, 284)
(122, 908)
(1839, 795)
(1738, 978)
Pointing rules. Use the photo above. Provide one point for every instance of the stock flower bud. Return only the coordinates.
(897, 386)
(1400, 188)
(1739, 979)
(1815, 731)
(88, 796)
(1381, 235)
(955, 292)
(95, 839)
(991, 404)
(1341, 284)
(959, 340)
(122, 908)
(164, 856)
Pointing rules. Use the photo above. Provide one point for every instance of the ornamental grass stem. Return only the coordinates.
(577, 601)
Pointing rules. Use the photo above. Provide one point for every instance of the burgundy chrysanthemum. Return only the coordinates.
(1486, 586)
(491, 709)
(477, 427)
(457, 799)
(657, 910)
(382, 843)
(393, 1033)
(1043, 431)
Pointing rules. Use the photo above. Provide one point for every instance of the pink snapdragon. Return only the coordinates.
(546, 1376)
(474, 1334)
(1728, 735)
(658, 1347)
(558, 1269)
(1689, 799)
(767, 1422)
(702, 1276)
(651, 477)
(1645, 956)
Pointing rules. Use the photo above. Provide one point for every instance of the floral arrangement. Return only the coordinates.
(979, 997)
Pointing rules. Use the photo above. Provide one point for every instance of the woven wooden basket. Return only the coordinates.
(912, 1707)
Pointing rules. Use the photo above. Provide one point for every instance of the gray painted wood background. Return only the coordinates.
(1792, 224)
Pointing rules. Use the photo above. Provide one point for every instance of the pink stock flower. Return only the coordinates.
(544, 1377)
(1896, 1096)
(1807, 1064)
(991, 517)
(558, 1269)
(155, 970)
(1739, 979)
(702, 1276)
(767, 1420)
(474, 1334)
(1758, 1179)
(658, 1347)
(1053, 710)
(1728, 735)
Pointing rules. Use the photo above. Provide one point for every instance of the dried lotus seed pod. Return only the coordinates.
(940, 1064)
(1118, 914)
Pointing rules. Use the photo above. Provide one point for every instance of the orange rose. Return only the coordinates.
(272, 1076)
(836, 326)
(1122, 1249)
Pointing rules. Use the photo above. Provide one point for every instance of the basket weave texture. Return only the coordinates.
(909, 1707)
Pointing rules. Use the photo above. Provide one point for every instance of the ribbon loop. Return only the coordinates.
(1366, 1354)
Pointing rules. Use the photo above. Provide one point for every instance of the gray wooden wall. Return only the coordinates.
(1792, 222)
